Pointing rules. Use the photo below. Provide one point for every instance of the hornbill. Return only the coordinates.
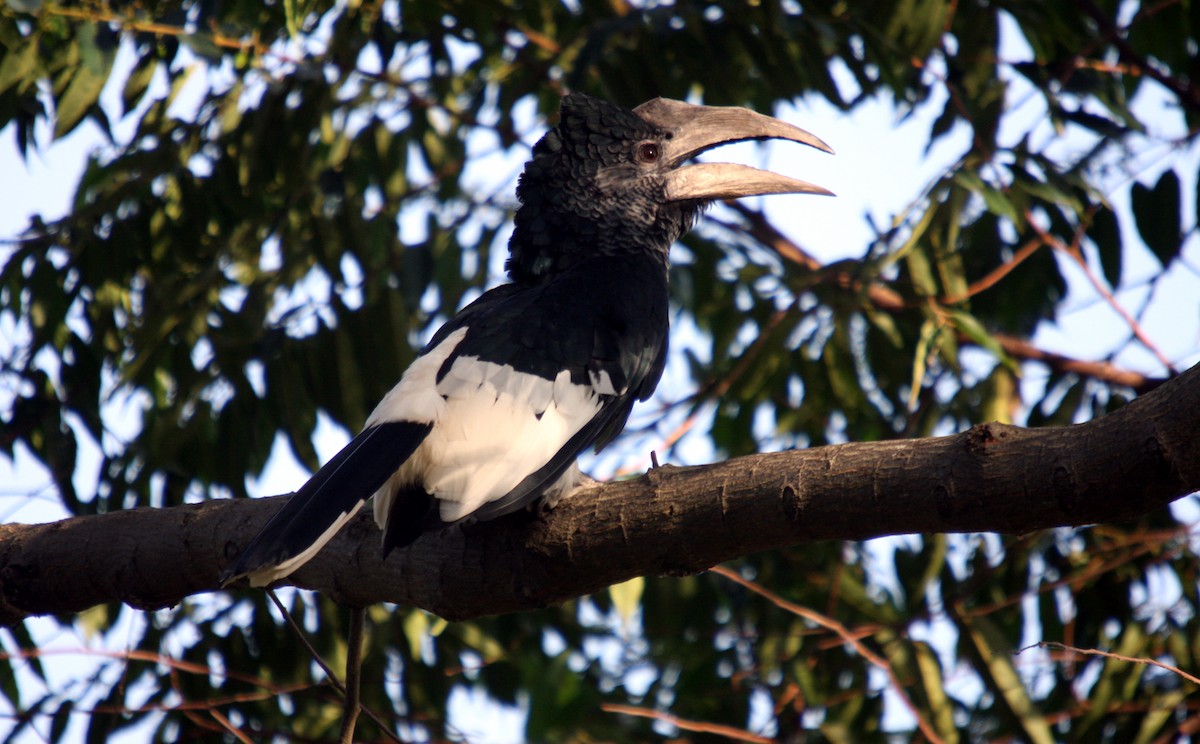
(494, 411)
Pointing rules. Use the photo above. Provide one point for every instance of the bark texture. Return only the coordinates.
(669, 521)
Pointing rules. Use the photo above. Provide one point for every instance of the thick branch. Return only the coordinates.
(670, 521)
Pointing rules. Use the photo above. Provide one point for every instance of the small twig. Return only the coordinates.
(127, 23)
(1187, 92)
(996, 274)
(228, 726)
(358, 619)
(1077, 256)
(148, 656)
(1108, 654)
(333, 680)
(717, 729)
(888, 300)
(846, 635)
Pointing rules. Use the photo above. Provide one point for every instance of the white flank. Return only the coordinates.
(268, 574)
(496, 427)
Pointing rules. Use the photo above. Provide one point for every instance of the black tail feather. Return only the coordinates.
(413, 511)
(341, 486)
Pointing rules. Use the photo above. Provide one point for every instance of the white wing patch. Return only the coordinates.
(602, 382)
(495, 427)
(416, 397)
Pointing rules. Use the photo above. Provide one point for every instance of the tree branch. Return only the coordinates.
(888, 300)
(669, 521)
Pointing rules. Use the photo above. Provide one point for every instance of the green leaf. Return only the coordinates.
(93, 621)
(920, 268)
(60, 720)
(1157, 215)
(203, 45)
(85, 84)
(19, 63)
(914, 237)
(138, 82)
(886, 324)
(627, 597)
(929, 331)
(932, 682)
(30, 7)
(8, 683)
(1114, 685)
(968, 325)
(996, 201)
(416, 629)
(1165, 707)
(1002, 396)
(1001, 678)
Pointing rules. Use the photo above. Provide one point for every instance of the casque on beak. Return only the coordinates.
(695, 129)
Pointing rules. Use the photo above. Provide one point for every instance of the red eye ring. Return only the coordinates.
(648, 152)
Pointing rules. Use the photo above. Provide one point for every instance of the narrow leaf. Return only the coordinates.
(82, 92)
(968, 325)
(1112, 688)
(1002, 679)
(138, 82)
(203, 45)
(19, 64)
(940, 704)
(929, 330)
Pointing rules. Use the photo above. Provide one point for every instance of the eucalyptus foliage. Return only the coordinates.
(293, 194)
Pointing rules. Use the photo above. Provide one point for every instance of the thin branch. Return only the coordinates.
(995, 275)
(842, 632)
(1187, 92)
(228, 726)
(1020, 348)
(333, 680)
(358, 619)
(888, 300)
(700, 727)
(1138, 544)
(303, 638)
(127, 23)
(1110, 655)
(1076, 255)
(205, 705)
(149, 656)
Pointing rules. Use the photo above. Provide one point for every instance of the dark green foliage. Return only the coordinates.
(232, 267)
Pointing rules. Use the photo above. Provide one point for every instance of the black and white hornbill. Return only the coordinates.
(493, 413)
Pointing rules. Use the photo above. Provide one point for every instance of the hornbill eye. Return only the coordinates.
(648, 152)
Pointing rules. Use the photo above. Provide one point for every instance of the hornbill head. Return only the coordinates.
(611, 180)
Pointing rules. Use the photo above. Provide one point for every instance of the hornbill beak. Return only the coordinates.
(695, 129)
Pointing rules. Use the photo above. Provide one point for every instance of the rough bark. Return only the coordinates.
(669, 521)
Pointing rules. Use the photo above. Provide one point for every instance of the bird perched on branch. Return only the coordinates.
(493, 413)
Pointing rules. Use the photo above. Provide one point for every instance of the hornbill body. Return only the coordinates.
(498, 405)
